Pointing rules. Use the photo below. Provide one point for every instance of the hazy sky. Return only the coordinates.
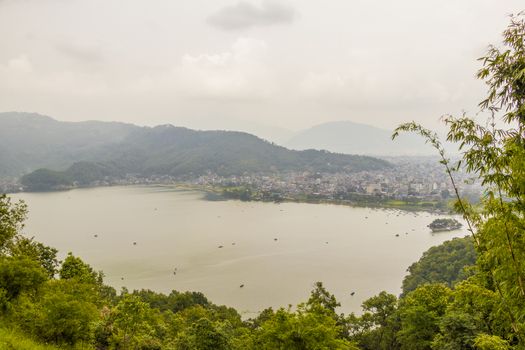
(238, 64)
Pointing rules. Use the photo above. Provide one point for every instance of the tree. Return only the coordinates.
(473, 312)
(314, 325)
(12, 216)
(321, 299)
(383, 316)
(204, 335)
(448, 263)
(376, 328)
(44, 255)
(420, 313)
(301, 330)
(64, 312)
(74, 268)
(495, 152)
(19, 275)
(490, 342)
(134, 324)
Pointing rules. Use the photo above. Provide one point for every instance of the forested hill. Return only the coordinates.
(30, 141)
(92, 150)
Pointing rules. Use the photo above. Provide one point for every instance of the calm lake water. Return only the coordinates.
(278, 251)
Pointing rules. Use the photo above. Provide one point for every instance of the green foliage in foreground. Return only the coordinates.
(448, 263)
(11, 339)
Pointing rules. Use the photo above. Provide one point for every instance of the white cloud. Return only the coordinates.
(20, 64)
(19, 75)
(82, 53)
(238, 72)
(315, 84)
(383, 62)
(16, 73)
(245, 15)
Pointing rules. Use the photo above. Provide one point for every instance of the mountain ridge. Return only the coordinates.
(29, 142)
(348, 137)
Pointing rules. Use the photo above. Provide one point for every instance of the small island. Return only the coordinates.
(444, 225)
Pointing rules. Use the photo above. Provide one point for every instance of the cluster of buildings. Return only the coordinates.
(409, 178)
(10, 185)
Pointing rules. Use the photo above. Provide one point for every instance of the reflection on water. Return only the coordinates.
(277, 251)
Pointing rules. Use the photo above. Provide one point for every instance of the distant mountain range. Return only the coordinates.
(87, 151)
(353, 138)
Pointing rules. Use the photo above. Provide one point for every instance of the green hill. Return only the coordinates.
(56, 154)
(30, 141)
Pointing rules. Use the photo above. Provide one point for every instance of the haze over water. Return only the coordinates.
(348, 249)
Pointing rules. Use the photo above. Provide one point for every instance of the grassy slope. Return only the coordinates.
(11, 340)
(14, 340)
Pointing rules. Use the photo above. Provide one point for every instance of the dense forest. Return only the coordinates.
(466, 294)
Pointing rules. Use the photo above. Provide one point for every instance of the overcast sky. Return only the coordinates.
(246, 64)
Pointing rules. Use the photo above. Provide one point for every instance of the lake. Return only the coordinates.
(277, 251)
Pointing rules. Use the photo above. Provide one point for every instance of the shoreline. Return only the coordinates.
(216, 193)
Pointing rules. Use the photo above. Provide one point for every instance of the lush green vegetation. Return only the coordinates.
(247, 193)
(79, 174)
(11, 339)
(444, 224)
(448, 263)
